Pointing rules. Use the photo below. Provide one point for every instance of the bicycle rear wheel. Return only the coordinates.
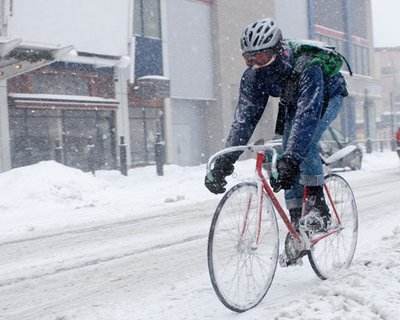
(334, 253)
(243, 247)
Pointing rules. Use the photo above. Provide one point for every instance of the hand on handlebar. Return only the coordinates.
(215, 179)
(288, 170)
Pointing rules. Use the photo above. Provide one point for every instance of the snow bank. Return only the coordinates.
(48, 194)
(49, 184)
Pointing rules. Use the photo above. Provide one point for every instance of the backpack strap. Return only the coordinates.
(288, 91)
(347, 64)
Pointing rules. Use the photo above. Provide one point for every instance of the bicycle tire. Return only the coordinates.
(335, 253)
(242, 258)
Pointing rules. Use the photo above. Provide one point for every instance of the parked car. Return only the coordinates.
(331, 141)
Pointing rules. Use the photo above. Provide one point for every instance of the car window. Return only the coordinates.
(340, 137)
(327, 136)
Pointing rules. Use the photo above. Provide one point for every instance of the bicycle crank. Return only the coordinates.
(294, 251)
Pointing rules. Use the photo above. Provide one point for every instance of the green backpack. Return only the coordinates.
(308, 52)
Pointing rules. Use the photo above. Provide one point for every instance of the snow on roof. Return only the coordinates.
(153, 77)
(41, 96)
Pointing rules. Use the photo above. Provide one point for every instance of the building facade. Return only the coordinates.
(78, 101)
(346, 25)
(158, 70)
(388, 111)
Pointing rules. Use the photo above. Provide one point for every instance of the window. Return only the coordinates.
(34, 134)
(358, 20)
(339, 44)
(359, 54)
(30, 133)
(148, 43)
(328, 13)
(360, 59)
(388, 70)
(146, 18)
(145, 124)
(60, 84)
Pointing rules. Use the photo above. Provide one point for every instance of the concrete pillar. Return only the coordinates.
(5, 156)
(121, 77)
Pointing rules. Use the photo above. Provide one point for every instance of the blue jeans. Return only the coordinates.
(312, 173)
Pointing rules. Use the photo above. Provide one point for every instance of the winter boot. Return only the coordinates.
(295, 216)
(318, 217)
(294, 249)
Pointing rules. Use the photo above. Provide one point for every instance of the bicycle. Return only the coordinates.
(243, 241)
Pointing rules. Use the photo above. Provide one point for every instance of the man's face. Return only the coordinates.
(260, 59)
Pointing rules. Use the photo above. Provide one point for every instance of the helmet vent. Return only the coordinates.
(256, 40)
(268, 39)
(250, 35)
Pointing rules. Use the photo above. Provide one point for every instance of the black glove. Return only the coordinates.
(288, 170)
(215, 179)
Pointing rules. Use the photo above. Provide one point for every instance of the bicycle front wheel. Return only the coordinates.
(335, 252)
(243, 247)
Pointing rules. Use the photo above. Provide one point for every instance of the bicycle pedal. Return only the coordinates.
(285, 262)
(297, 262)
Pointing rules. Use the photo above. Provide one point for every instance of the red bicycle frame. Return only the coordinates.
(259, 161)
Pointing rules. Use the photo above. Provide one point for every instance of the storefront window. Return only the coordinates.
(144, 124)
(34, 134)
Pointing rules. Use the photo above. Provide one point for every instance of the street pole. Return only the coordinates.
(367, 123)
(392, 139)
(58, 152)
(123, 166)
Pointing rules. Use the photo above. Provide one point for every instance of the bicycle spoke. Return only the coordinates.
(335, 252)
(242, 252)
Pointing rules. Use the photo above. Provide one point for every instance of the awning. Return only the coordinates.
(18, 57)
(53, 101)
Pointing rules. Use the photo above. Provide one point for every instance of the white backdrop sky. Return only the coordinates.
(386, 22)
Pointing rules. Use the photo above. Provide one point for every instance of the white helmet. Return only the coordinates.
(260, 35)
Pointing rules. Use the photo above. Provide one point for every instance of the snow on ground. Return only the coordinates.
(47, 197)
(48, 194)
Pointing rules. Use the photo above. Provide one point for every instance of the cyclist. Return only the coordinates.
(311, 104)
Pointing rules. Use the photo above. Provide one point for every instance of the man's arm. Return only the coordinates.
(308, 112)
(252, 101)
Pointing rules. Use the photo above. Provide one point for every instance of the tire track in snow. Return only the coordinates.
(176, 211)
(47, 255)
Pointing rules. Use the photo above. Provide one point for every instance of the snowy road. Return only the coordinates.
(154, 267)
(79, 267)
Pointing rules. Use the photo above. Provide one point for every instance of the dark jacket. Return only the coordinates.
(305, 93)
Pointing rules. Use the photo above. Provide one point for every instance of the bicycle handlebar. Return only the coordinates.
(251, 147)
